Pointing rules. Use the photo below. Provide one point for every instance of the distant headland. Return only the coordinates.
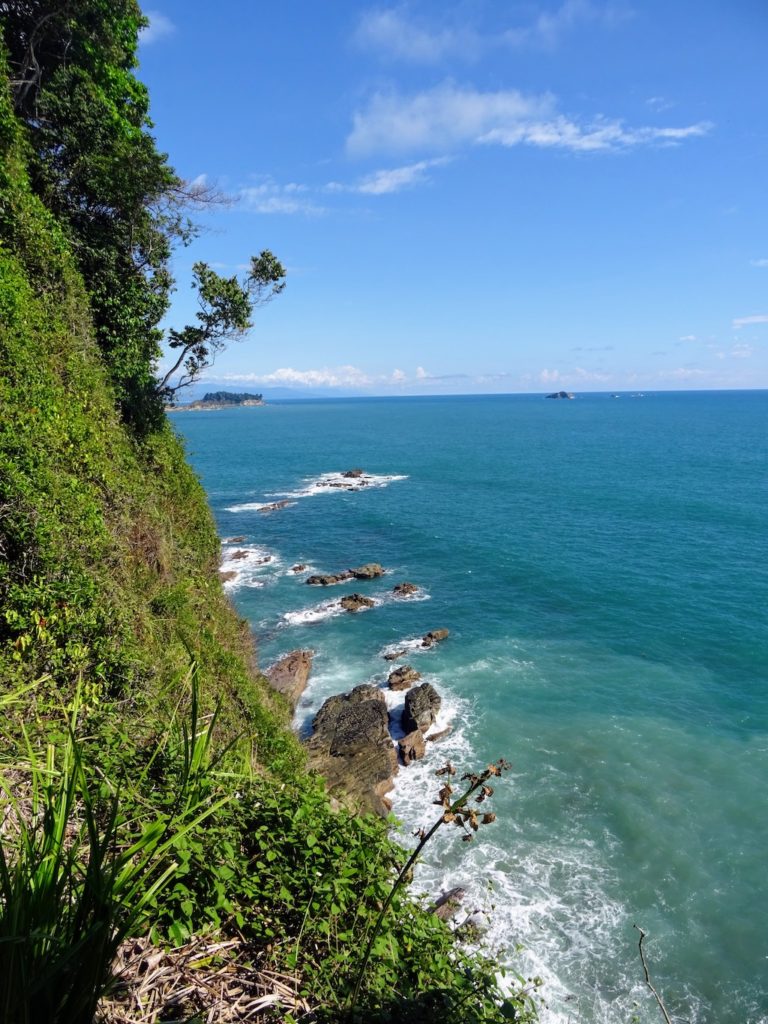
(220, 400)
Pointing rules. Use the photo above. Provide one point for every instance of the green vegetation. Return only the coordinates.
(230, 397)
(150, 786)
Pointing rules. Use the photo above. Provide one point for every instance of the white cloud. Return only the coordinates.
(270, 197)
(421, 373)
(450, 115)
(683, 373)
(393, 179)
(759, 263)
(159, 27)
(747, 321)
(338, 377)
(398, 377)
(689, 337)
(741, 351)
(548, 28)
(393, 34)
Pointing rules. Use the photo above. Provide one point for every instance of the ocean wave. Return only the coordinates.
(322, 611)
(257, 506)
(245, 565)
(411, 645)
(328, 483)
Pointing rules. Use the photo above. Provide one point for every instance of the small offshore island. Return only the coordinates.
(218, 400)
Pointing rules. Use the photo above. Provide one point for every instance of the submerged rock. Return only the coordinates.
(422, 704)
(276, 505)
(351, 747)
(289, 675)
(394, 655)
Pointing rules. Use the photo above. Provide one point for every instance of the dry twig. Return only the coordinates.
(215, 982)
(648, 981)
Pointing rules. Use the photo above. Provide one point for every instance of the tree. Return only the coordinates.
(225, 310)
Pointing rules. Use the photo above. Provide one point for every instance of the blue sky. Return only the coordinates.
(478, 196)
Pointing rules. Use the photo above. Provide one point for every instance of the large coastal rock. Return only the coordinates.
(289, 675)
(422, 704)
(412, 747)
(434, 637)
(369, 571)
(356, 602)
(328, 579)
(351, 747)
(405, 589)
(403, 678)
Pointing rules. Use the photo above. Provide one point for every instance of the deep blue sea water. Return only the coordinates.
(602, 565)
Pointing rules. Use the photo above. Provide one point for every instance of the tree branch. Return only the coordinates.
(648, 981)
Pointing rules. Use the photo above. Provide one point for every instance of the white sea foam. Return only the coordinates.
(412, 645)
(324, 610)
(249, 563)
(256, 506)
(330, 483)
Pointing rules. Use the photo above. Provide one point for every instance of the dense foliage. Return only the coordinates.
(230, 397)
(131, 712)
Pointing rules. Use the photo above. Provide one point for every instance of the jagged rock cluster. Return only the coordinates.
(351, 744)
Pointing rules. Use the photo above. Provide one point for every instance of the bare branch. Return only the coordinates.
(648, 981)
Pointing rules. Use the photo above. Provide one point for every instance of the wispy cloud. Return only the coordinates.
(393, 179)
(394, 34)
(688, 337)
(270, 197)
(159, 27)
(450, 115)
(741, 351)
(748, 321)
(337, 377)
(759, 263)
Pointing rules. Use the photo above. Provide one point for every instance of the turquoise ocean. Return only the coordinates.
(602, 565)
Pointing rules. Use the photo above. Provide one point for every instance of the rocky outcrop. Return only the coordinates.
(351, 748)
(356, 602)
(422, 704)
(225, 575)
(236, 556)
(434, 637)
(275, 506)
(448, 904)
(299, 567)
(412, 747)
(561, 394)
(405, 589)
(370, 571)
(394, 655)
(353, 474)
(403, 678)
(289, 675)
(328, 579)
